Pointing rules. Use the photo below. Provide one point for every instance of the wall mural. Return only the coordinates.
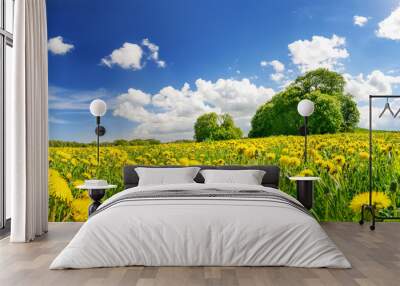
(218, 83)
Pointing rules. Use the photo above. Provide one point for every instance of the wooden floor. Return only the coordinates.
(375, 257)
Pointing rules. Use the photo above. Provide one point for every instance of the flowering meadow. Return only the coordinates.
(341, 160)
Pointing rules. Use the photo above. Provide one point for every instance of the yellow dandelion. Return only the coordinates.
(80, 209)
(284, 160)
(241, 148)
(58, 187)
(219, 162)
(364, 155)
(328, 165)
(306, 173)
(270, 156)
(184, 161)
(93, 161)
(64, 155)
(294, 162)
(339, 159)
(250, 152)
(320, 163)
(335, 170)
(131, 162)
(379, 199)
(321, 145)
(194, 162)
(351, 151)
(172, 161)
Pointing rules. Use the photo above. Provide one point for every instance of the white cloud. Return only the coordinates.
(360, 20)
(136, 97)
(386, 122)
(275, 64)
(67, 99)
(161, 64)
(277, 77)
(278, 67)
(154, 55)
(376, 82)
(171, 112)
(319, 52)
(131, 105)
(389, 28)
(129, 56)
(57, 46)
(55, 120)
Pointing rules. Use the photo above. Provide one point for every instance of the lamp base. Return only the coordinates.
(96, 195)
(305, 193)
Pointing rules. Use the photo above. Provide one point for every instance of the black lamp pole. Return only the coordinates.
(98, 139)
(98, 108)
(100, 131)
(305, 108)
(305, 139)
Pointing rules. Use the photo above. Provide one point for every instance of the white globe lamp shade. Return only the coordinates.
(98, 107)
(305, 107)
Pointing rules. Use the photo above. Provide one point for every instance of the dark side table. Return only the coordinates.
(305, 190)
(96, 193)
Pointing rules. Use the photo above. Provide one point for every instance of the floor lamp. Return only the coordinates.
(305, 109)
(305, 184)
(98, 109)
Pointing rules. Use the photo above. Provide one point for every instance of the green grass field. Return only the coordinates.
(341, 160)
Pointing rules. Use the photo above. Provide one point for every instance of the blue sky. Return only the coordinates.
(159, 64)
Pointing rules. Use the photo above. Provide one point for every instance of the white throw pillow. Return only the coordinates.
(166, 176)
(248, 177)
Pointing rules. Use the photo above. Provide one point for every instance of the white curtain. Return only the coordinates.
(26, 123)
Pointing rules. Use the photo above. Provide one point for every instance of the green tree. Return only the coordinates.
(120, 142)
(334, 110)
(350, 113)
(279, 116)
(211, 126)
(321, 79)
(206, 125)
